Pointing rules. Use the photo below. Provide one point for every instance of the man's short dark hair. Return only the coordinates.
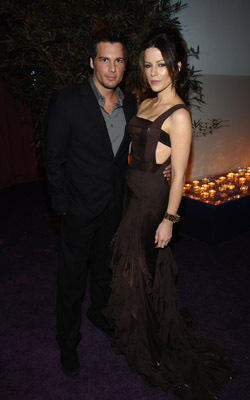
(108, 35)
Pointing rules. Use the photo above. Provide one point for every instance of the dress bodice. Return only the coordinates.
(146, 134)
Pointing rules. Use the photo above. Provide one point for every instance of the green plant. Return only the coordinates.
(45, 44)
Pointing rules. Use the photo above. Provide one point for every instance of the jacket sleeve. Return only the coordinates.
(56, 153)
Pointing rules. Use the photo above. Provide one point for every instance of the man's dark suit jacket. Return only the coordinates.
(82, 171)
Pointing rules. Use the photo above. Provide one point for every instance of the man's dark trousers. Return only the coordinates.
(84, 246)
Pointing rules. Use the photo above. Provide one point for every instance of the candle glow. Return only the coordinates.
(220, 189)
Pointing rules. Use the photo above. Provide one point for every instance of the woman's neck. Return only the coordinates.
(167, 96)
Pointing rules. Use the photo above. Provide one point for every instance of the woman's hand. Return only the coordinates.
(163, 233)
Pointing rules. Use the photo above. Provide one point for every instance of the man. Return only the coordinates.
(86, 150)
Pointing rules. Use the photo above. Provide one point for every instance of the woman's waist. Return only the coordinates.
(147, 166)
(144, 182)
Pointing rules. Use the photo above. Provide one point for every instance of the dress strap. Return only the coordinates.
(159, 120)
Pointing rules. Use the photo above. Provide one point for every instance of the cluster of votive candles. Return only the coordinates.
(219, 189)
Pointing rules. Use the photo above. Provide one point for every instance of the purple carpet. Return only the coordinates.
(213, 283)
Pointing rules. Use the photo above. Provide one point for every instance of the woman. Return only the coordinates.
(144, 311)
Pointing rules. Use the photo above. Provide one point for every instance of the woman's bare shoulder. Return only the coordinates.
(179, 120)
(181, 115)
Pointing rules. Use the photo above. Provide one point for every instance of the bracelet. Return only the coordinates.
(171, 217)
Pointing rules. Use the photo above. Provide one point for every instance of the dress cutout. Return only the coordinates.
(150, 327)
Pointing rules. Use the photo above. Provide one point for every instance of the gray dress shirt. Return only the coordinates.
(115, 122)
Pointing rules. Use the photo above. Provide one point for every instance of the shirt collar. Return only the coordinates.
(101, 99)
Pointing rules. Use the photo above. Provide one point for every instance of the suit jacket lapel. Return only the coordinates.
(127, 109)
(90, 101)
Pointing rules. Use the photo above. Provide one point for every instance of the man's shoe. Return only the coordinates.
(70, 363)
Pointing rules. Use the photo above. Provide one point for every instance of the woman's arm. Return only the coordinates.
(180, 129)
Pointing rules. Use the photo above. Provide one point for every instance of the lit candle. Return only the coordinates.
(195, 183)
(242, 180)
(231, 186)
(247, 176)
(187, 186)
(205, 195)
(222, 178)
(230, 176)
(212, 193)
(196, 189)
(205, 187)
(205, 180)
(244, 189)
(211, 184)
(222, 188)
(236, 176)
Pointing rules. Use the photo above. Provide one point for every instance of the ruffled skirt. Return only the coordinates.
(150, 327)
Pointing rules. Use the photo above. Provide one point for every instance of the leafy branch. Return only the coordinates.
(204, 128)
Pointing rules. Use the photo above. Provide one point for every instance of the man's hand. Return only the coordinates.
(167, 172)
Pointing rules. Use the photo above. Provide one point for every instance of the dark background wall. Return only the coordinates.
(17, 157)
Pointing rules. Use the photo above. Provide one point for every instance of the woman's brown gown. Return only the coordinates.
(144, 311)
